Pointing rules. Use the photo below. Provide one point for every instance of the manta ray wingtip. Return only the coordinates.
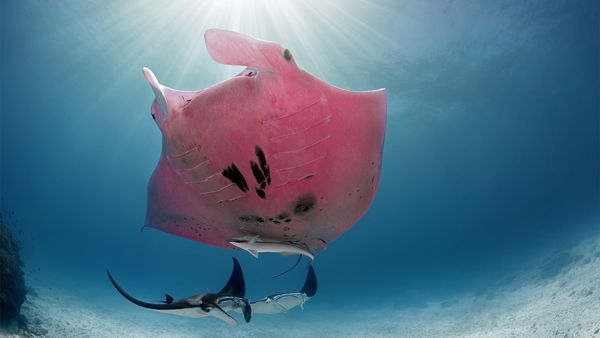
(149, 75)
(159, 94)
(310, 284)
(210, 32)
(235, 285)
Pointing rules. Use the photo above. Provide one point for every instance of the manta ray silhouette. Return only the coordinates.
(271, 160)
(205, 304)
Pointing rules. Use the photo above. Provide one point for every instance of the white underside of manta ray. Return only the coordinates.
(230, 298)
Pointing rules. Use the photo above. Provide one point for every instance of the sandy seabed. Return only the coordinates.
(559, 297)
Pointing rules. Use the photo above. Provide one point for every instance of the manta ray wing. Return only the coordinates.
(235, 285)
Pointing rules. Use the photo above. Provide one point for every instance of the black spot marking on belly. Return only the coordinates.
(262, 160)
(304, 204)
(261, 193)
(234, 175)
(251, 219)
(257, 172)
(261, 172)
(280, 218)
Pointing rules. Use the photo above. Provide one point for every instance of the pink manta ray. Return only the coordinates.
(271, 160)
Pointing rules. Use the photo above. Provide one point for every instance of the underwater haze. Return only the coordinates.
(487, 216)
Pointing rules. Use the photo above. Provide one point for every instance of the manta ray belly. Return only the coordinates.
(273, 152)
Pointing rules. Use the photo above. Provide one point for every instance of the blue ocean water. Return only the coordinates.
(492, 151)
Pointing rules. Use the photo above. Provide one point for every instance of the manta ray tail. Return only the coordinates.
(310, 284)
(235, 285)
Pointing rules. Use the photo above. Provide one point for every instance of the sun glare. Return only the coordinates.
(307, 27)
